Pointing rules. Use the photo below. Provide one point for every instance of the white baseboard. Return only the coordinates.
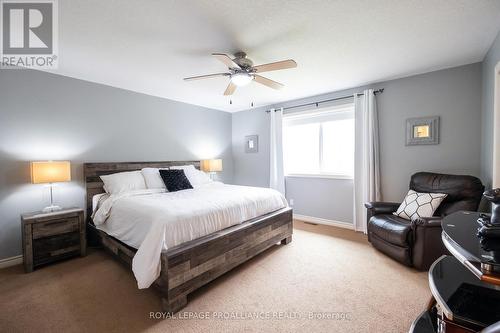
(12, 261)
(317, 220)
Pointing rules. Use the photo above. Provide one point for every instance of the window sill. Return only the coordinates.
(344, 177)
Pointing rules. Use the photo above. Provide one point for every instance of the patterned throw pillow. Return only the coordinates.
(417, 205)
(175, 180)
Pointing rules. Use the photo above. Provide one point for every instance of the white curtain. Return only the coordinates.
(276, 174)
(366, 161)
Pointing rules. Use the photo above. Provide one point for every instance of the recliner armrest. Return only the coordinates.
(379, 207)
(427, 244)
(427, 222)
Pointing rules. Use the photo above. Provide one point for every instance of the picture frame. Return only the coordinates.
(422, 131)
(251, 144)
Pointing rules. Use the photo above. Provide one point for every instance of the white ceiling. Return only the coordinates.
(149, 46)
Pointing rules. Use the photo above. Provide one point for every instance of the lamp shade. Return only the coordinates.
(211, 165)
(50, 172)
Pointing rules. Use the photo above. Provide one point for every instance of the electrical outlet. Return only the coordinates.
(291, 202)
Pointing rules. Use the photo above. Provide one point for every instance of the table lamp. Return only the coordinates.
(50, 172)
(211, 166)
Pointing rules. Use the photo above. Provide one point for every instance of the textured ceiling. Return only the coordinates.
(148, 46)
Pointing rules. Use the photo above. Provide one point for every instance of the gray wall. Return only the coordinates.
(454, 94)
(490, 61)
(45, 116)
(330, 199)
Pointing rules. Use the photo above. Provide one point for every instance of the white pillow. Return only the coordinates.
(417, 205)
(195, 176)
(97, 200)
(123, 182)
(152, 178)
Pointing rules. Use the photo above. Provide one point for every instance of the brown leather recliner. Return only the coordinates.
(418, 242)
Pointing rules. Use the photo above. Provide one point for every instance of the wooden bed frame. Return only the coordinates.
(188, 266)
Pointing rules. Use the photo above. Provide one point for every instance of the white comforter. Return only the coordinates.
(154, 220)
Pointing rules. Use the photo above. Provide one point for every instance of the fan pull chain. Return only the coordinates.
(231, 103)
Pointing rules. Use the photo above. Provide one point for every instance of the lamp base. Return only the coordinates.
(50, 209)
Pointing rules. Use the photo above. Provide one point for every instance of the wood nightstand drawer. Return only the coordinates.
(55, 227)
(56, 247)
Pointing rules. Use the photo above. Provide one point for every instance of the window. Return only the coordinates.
(319, 142)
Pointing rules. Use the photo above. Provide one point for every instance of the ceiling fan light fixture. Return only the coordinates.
(241, 79)
(241, 72)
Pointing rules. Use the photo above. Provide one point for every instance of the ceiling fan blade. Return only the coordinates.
(267, 82)
(230, 89)
(224, 58)
(199, 77)
(275, 66)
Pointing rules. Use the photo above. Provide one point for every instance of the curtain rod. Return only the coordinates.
(375, 92)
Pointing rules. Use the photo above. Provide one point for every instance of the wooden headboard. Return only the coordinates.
(92, 171)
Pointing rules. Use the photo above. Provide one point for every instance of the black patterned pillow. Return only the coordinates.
(175, 180)
(418, 204)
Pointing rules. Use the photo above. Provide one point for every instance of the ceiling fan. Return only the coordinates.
(242, 71)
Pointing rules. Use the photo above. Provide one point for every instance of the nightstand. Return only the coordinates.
(53, 236)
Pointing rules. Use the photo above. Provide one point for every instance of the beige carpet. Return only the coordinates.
(330, 274)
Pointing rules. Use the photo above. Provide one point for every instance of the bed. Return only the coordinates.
(186, 267)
